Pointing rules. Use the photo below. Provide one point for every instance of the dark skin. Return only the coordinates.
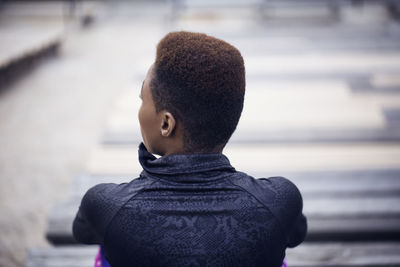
(162, 133)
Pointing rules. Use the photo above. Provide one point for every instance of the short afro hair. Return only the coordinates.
(201, 80)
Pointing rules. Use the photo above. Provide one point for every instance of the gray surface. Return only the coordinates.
(51, 117)
(293, 136)
(27, 36)
(77, 256)
(392, 115)
(315, 254)
(50, 120)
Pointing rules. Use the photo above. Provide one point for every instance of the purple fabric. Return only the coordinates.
(100, 260)
(97, 261)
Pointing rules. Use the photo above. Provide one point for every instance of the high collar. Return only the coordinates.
(185, 167)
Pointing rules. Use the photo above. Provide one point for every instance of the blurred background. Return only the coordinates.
(322, 107)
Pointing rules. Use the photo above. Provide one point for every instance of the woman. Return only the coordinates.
(190, 207)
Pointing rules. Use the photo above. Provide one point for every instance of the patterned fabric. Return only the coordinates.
(100, 260)
(192, 210)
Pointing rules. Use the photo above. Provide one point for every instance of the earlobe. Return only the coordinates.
(168, 124)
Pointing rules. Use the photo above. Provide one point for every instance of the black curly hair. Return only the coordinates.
(201, 80)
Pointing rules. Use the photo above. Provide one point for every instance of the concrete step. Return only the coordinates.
(314, 110)
(339, 205)
(308, 254)
(265, 158)
(24, 43)
(289, 136)
(343, 222)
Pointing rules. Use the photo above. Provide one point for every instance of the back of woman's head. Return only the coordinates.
(201, 81)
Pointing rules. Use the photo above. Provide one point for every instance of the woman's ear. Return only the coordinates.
(168, 124)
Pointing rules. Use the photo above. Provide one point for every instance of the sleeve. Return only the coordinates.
(298, 231)
(288, 207)
(98, 207)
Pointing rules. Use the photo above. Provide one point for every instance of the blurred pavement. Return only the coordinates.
(307, 72)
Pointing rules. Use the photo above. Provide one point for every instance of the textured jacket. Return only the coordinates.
(192, 210)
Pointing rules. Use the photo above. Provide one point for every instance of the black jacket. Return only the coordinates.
(192, 210)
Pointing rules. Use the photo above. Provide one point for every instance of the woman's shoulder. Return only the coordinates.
(278, 194)
(276, 186)
(284, 189)
(114, 194)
